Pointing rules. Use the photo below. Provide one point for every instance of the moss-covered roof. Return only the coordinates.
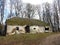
(24, 21)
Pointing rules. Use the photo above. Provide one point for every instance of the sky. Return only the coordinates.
(35, 2)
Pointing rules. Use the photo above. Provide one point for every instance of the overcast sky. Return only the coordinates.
(35, 2)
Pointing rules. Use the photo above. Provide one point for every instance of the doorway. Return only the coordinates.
(27, 29)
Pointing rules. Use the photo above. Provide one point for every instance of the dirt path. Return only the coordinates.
(52, 40)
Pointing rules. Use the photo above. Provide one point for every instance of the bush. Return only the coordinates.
(1, 27)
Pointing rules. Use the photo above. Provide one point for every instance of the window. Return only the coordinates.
(46, 28)
(17, 28)
(34, 28)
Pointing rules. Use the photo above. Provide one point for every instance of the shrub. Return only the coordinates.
(1, 26)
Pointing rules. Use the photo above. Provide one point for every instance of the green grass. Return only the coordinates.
(25, 39)
(24, 21)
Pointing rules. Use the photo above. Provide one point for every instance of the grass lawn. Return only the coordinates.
(24, 39)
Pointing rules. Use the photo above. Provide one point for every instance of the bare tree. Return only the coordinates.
(18, 5)
(39, 11)
(23, 11)
(58, 6)
(47, 15)
(46, 12)
(11, 9)
(56, 17)
(2, 4)
(28, 8)
(33, 11)
(30, 11)
(10, 15)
